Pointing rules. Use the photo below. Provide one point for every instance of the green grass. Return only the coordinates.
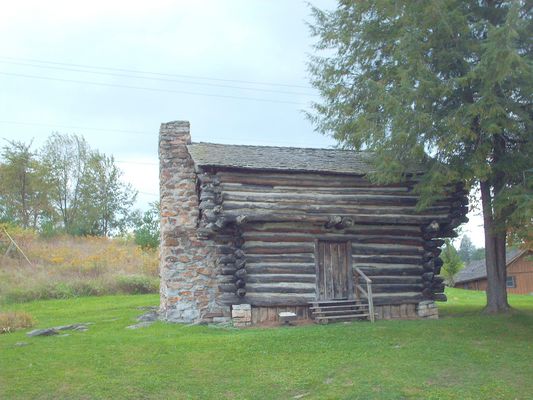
(464, 355)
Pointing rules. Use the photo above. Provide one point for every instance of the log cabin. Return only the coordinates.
(519, 266)
(251, 231)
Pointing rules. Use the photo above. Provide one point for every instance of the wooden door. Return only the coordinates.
(334, 279)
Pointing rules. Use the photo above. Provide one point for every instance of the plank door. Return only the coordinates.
(334, 279)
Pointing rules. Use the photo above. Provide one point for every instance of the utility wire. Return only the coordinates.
(150, 89)
(157, 79)
(159, 73)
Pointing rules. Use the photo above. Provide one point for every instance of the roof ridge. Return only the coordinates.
(285, 147)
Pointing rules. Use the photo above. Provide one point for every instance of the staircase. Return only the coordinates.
(325, 311)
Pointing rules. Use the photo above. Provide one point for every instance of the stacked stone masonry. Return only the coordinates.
(241, 315)
(188, 281)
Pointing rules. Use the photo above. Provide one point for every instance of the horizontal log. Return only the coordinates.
(226, 279)
(396, 288)
(373, 270)
(333, 208)
(395, 279)
(312, 228)
(266, 199)
(282, 287)
(224, 249)
(280, 258)
(277, 249)
(280, 299)
(373, 259)
(226, 259)
(393, 298)
(253, 216)
(292, 179)
(370, 189)
(227, 288)
(276, 278)
(386, 250)
(266, 299)
(226, 271)
(301, 237)
(281, 268)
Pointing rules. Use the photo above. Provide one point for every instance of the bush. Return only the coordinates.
(11, 321)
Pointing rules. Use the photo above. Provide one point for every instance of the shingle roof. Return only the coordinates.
(280, 158)
(478, 270)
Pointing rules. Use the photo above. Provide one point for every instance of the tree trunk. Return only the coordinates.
(494, 257)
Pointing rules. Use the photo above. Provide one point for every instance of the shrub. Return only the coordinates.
(11, 321)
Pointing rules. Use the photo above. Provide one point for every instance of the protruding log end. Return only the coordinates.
(440, 297)
(241, 273)
(241, 219)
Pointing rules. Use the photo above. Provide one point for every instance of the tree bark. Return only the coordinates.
(494, 256)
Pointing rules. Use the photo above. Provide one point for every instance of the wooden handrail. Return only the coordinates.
(367, 293)
(362, 274)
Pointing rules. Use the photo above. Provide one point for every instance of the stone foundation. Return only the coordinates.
(241, 315)
(187, 264)
(427, 309)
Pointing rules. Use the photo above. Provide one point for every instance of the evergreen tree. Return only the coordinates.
(466, 249)
(452, 263)
(443, 83)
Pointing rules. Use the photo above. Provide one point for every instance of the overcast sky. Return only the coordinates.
(113, 70)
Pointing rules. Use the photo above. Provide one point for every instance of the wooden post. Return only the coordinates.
(370, 301)
(16, 245)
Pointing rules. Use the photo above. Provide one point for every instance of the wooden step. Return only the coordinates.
(346, 306)
(340, 311)
(335, 301)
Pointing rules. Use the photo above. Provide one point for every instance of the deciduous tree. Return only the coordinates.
(452, 263)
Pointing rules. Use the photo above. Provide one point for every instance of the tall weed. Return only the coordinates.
(65, 266)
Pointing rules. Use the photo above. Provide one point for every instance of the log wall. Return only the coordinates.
(265, 225)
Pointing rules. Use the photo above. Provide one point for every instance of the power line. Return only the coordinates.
(160, 73)
(150, 89)
(156, 79)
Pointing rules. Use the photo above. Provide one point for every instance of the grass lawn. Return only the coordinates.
(463, 355)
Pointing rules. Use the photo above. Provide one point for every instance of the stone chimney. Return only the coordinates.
(188, 281)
